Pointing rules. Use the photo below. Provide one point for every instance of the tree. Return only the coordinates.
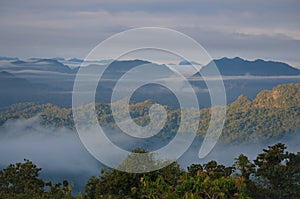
(293, 175)
(246, 169)
(119, 184)
(214, 181)
(21, 180)
(216, 171)
(274, 174)
(194, 169)
(278, 172)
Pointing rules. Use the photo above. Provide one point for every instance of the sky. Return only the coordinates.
(59, 28)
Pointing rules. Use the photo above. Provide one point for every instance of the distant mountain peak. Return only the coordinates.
(41, 64)
(76, 60)
(8, 58)
(240, 67)
(53, 61)
(230, 59)
(238, 59)
(185, 62)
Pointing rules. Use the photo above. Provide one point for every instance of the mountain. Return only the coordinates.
(75, 60)
(248, 78)
(117, 69)
(35, 64)
(184, 63)
(15, 90)
(9, 83)
(272, 115)
(58, 79)
(240, 67)
(7, 78)
(49, 81)
(8, 58)
(282, 96)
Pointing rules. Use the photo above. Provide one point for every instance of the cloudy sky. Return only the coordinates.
(249, 29)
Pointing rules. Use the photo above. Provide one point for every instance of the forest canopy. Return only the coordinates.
(275, 173)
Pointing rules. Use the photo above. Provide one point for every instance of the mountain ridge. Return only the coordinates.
(246, 120)
(240, 67)
(60, 83)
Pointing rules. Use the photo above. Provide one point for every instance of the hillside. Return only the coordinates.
(273, 114)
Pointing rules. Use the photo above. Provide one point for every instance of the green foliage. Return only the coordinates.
(204, 186)
(279, 172)
(21, 180)
(271, 115)
(244, 165)
(275, 173)
(118, 184)
(49, 114)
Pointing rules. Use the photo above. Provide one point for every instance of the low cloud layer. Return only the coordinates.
(49, 148)
(58, 152)
(225, 154)
(61, 155)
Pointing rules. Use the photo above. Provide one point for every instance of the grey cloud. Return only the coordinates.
(271, 47)
(52, 149)
(60, 28)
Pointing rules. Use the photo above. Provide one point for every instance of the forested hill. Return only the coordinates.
(271, 115)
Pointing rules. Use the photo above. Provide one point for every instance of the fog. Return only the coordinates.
(225, 154)
(58, 151)
(61, 155)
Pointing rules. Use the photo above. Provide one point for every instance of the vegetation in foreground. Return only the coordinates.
(275, 173)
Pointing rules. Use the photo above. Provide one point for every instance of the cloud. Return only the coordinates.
(60, 28)
(50, 148)
(58, 151)
(226, 153)
(61, 155)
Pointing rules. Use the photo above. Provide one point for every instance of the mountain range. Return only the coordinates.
(270, 116)
(51, 80)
